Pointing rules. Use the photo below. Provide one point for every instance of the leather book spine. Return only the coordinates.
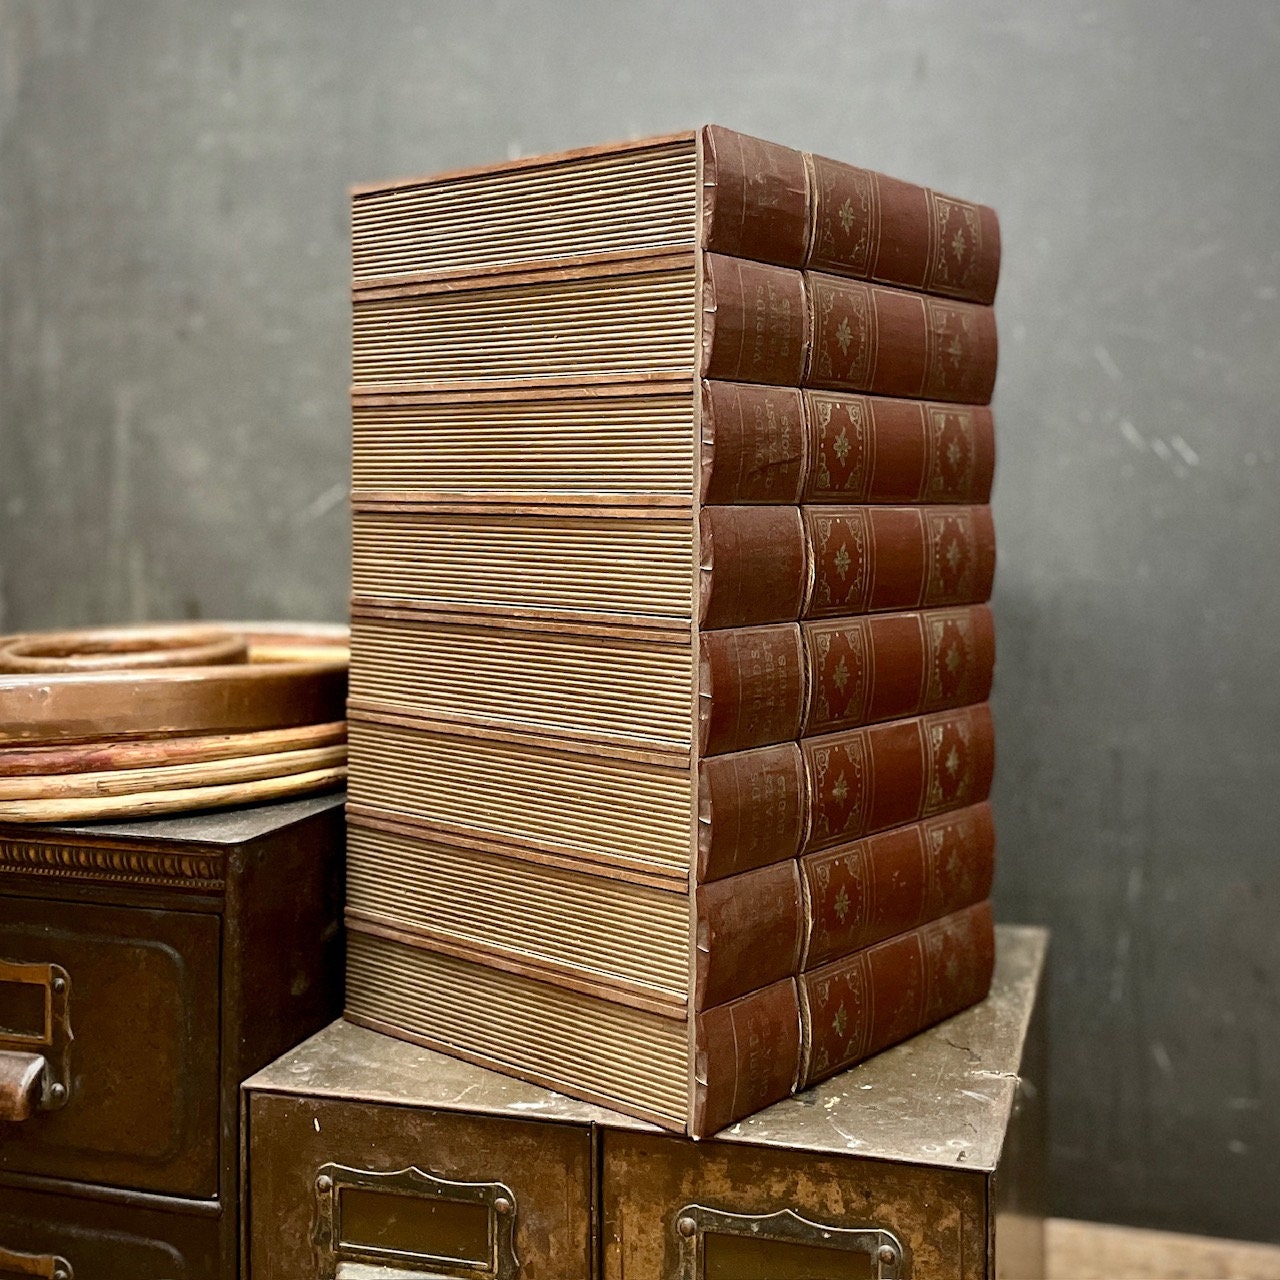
(878, 449)
(748, 1055)
(772, 803)
(751, 687)
(763, 444)
(889, 342)
(874, 227)
(753, 566)
(861, 893)
(863, 1003)
(769, 684)
(751, 810)
(773, 203)
(886, 775)
(753, 443)
(755, 322)
(885, 666)
(872, 559)
(755, 198)
(779, 564)
(751, 931)
(768, 324)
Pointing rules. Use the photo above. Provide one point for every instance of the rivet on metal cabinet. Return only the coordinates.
(413, 1224)
(715, 1245)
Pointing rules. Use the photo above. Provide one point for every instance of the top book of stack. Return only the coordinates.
(815, 274)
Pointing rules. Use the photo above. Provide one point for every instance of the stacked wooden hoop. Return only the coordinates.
(148, 720)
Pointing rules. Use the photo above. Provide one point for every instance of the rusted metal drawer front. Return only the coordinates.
(141, 997)
(680, 1210)
(471, 1197)
(42, 1234)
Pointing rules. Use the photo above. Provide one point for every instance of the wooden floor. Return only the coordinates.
(1089, 1251)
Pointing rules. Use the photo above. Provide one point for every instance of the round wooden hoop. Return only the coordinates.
(296, 674)
(121, 648)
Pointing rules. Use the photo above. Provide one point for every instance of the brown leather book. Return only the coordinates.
(776, 564)
(863, 1003)
(762, 926)
(767, 684)
(766, 444)
(775, 204)
(672, 317)
(712, 188)
(759, 1048)
(734, 1058)
(617, 445)
(772, 803)
(772, 324)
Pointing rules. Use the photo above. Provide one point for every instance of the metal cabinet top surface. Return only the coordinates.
(232, 826)
(942, 1098)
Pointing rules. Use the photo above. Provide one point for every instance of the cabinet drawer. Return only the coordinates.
(99, 1241)
(680, 1210)
(344, 1188)
(140, 990)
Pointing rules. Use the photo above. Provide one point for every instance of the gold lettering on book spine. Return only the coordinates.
(950, 462)
(839, 673)
(950, 871)
(951, 370)
(949, 641)
(844, 345)
(848, 216)
(840, 443)
(955, 245)
(950, 763)
(842, 562)
(951, 559)
(839, 787)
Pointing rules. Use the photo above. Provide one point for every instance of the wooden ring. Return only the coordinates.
(273, 690)
(121, 649)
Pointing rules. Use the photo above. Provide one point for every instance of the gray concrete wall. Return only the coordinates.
(173, 363)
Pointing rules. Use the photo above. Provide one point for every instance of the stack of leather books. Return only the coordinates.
(669, 744)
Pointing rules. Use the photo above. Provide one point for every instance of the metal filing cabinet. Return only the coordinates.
(145, 969)
(372, 1158)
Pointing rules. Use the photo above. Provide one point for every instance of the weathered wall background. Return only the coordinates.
(173, 363)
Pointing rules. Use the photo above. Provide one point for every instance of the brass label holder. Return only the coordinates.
(35, 1052)
(411, 1225)
(790, 1242)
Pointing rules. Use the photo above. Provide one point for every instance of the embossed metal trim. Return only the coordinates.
(334, 1254)
(45, 1266)
(118, 866)
(53, 1041)
(695, 1222)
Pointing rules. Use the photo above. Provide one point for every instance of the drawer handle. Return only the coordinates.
(35, 1038)
(411, 1225)
(45, 1265)
(716, 1245)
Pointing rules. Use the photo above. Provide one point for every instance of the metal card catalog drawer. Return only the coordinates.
(467, 1176)
(119, 1006)
(717, 1211)
(924, 1163)
(69, 1237)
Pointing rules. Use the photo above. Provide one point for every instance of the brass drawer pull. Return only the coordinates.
(35, 1039)
(45, 1266)
(715, 1245)
(411, 1225)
